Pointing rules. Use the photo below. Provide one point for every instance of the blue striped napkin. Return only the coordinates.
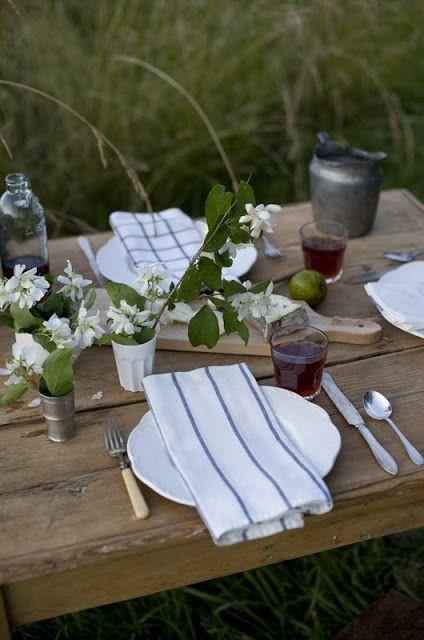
(172, 239)
(246, 476)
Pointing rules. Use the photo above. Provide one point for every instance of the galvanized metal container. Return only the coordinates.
(59, 414)
(345, 185)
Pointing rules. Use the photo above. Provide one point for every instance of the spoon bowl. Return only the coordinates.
(376, 405)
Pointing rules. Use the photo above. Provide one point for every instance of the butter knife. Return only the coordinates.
(367, 276)
(85, 247)
(354, 418)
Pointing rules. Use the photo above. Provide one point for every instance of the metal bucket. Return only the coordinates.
(59, 414)
(345, 185)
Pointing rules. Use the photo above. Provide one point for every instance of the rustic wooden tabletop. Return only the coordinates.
(68, 538)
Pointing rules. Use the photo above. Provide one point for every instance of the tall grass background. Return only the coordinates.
(269, 74)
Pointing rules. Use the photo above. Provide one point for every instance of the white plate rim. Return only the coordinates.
(267, 390)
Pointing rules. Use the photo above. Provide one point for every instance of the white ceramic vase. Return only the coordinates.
(27, 340)
(134, 363)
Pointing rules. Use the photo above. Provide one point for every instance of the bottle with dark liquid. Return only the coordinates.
(23, 233)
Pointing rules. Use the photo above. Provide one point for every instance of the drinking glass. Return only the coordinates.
(299, 355)
(324, 245)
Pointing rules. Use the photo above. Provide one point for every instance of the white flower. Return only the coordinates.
(258, 218)
(233, 248)
(97, 396)
(88, 328)
(152, 280)
(4, 296)
(25, 287)
(127, 319)
(22, 366)
(59, 331)
(35, 403)
(74, 284)
(257, 305)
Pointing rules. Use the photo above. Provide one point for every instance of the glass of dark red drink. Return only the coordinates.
(324, 245)
(299, 355)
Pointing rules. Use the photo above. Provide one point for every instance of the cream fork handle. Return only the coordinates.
(141, 510)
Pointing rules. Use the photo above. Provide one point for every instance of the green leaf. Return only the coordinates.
(240, 236)
(90, 299)
(145, 335)
(262, 286)
(216, 239)
(23, 318)
(190, 285)
(218, 203)
(203, 328)
(105, 339)
(231, 287)
(57, 374)
(13, 393)
(122, 339)
(44, 341)
(210, 273)
(54, 303)
(6, 320)
(245, 195)
(243, 332)
(118, 292)
(232, 324)
(223, 259)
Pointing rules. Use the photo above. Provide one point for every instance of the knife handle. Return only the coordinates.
(141, 510)
(383, 457)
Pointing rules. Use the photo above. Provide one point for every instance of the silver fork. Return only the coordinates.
(270, 250)
(403, 256)
(115, 446)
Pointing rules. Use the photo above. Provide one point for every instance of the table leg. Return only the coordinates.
(4, 623)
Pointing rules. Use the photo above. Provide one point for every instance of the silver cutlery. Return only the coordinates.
(87, 250)
(353, 417)
(116, 447)
(403, 256)
(366, 276)
(270, 250)
(378, 407)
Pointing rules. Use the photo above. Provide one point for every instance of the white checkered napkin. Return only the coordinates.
(172, 239)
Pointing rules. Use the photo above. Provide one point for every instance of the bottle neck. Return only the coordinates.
(17, 183)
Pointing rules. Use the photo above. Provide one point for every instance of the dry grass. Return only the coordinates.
(268, 74)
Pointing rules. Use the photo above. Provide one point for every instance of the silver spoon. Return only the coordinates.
(379, 408)
(403, 256)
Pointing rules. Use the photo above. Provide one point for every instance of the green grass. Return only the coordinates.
(310, 598)
(269, 74)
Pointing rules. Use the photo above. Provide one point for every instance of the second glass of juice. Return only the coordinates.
(299, 355)
(324, 245)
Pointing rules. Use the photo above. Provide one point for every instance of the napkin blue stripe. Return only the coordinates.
(177, 242)
(279, 440)
(242, 442)
(146, 237)
(205, 447)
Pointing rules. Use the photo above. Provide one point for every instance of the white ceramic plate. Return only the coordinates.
(113, 262)
(306, 424)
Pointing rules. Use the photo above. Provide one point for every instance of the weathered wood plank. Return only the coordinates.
(61, 486)
(4, 621)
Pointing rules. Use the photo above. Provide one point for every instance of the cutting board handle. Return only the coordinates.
(347, 330)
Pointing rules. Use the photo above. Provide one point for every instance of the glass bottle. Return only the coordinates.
(23, 233)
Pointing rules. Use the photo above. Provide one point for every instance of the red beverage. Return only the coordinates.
(324, 255)
(299, 355)
(29, 261)
(324, 244)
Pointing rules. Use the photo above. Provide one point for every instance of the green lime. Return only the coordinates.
(308, 285)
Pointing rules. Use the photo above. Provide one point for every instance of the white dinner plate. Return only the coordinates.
(309, 427)
(114, 264)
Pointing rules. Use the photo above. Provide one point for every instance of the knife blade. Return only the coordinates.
(367, 276)
(85, 247)
(354, 418)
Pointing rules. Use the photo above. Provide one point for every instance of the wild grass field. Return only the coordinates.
(269, 74)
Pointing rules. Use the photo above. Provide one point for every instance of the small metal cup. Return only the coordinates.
(59, 414)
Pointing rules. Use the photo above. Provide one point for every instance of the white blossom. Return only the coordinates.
(258, 218)
(232, 248)
(127, 319)
(4, 296)
(59, 331)
(248, 303)
(97, 396)
(22, 366)
(88, 329)
(153, 280)
(34, 403)
(25, 287)
(73, 283)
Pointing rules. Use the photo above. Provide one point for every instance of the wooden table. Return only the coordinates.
(68, 539)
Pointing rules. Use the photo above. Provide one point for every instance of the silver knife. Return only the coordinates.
(85, 246)
(353, 417)
(367, 276)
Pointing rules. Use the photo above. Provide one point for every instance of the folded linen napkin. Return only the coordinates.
(247, 477)
(171, 239)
